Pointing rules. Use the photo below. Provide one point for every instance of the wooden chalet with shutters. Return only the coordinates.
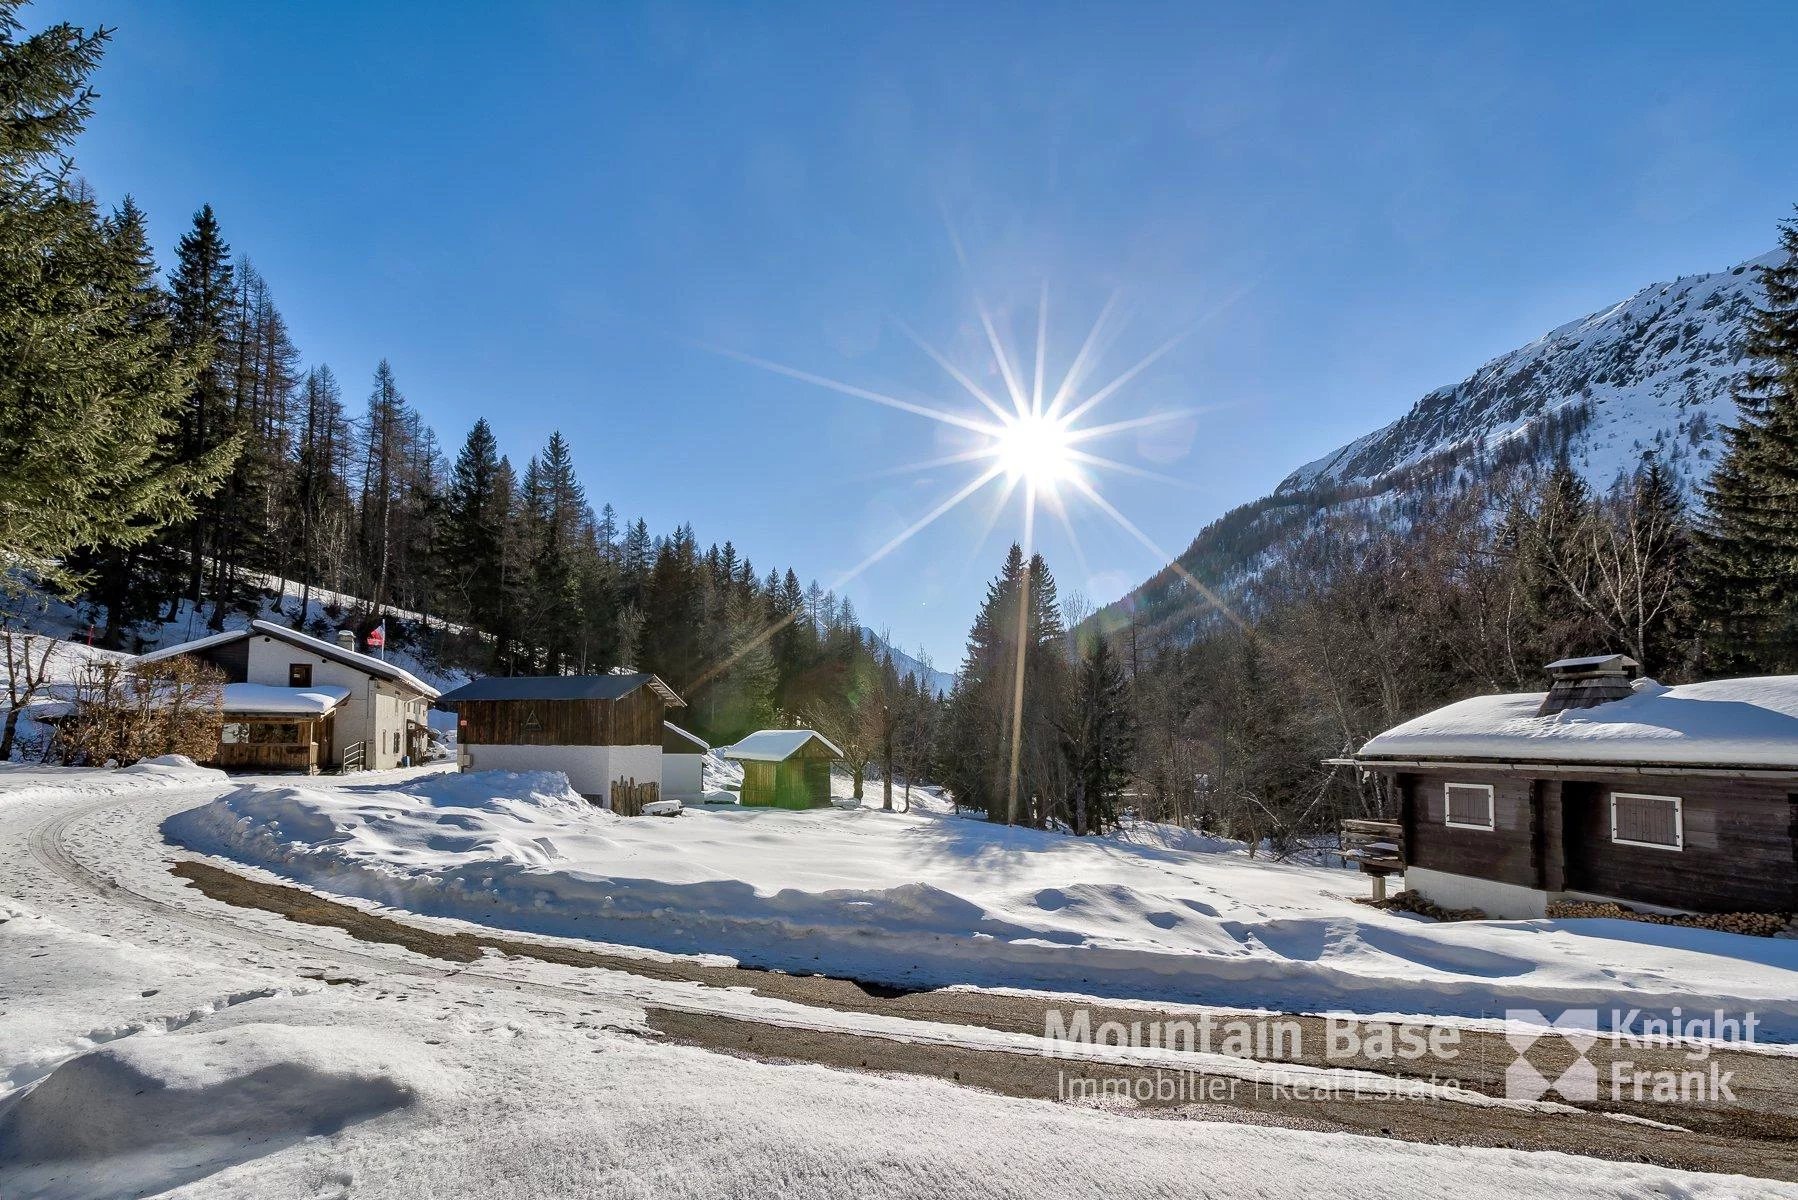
(785, 768)
(605, 732)
(1604, 788)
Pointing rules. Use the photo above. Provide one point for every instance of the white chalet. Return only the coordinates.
(300, 703)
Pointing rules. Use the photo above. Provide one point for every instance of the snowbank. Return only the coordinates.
(169, 771)
(929, 899)
(1735, 722)
(149, 1113)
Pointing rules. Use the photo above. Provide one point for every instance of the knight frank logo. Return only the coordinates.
(1575, 1029)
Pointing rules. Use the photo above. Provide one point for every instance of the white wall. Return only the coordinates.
(681, 776)
(376, 710)
(1507, 900)
(590, 769)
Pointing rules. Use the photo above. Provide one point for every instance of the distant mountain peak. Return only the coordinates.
(1653, 373)
(938, 682)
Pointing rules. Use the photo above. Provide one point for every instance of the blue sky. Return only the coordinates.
(554, 215)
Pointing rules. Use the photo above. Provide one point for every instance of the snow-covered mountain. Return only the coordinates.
(1652, 373)
(937, 681)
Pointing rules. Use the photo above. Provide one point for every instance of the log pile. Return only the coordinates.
(1752, 924)
(1414, 902)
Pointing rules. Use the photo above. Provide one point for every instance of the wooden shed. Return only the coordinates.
(1601, 789)
(604, 732)
(785, 768)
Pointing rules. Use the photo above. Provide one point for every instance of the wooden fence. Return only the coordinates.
(629, 796)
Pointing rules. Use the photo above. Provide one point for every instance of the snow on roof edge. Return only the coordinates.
(1749, 723)
(671, 727)
(365, 662)
(771, 741)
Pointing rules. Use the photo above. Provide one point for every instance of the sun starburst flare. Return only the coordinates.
(1027, 438)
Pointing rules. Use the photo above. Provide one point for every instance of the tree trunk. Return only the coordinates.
(6, 736)
(886, 770)
(860, 768)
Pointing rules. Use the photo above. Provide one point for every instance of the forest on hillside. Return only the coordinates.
(167, 446)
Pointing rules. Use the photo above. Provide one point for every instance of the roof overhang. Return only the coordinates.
(1541, 767)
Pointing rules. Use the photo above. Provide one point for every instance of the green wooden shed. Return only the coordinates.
(785, 768)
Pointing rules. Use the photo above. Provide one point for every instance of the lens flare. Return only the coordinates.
(1036, 448)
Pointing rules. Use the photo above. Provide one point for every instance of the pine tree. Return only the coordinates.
(1748, 542)
(320, 512)
(90, 386)
(384, 431)
(203, 305)
(476, 528)
(1003, 749)
(1101, 739)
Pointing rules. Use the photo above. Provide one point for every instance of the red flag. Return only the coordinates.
(377, 637)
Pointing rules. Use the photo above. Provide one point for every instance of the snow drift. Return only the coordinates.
(927, 899)
(153, 1112)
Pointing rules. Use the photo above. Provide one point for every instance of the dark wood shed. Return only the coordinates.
(604, 732)
(785, 768)
(1683, 798)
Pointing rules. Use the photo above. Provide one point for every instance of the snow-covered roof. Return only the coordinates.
(775, 745)
(367, 663)
(285, 701)
(612, 686)
(1723, 723)
(699, 746)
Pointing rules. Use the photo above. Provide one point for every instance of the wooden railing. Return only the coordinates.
(355, 757)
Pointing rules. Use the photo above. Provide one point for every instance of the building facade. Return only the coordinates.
(340, 706)
(1680, 799)
(605, 732)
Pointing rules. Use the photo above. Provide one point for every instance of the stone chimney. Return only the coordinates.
(346, 639)
(1587, 682)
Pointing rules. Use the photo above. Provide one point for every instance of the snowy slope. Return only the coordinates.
(1652, 373)
(927, 898)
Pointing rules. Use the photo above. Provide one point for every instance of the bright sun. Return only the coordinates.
(1035, 448)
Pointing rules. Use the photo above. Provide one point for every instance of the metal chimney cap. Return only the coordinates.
(1594, 664)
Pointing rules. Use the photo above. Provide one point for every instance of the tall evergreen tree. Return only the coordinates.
(1748, 543)
(1101, 739)
(319, 508)
(203, 300)
(476, 529)
(90, 385)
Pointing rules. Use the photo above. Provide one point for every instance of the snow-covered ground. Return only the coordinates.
(151, 1039)
(928, 898)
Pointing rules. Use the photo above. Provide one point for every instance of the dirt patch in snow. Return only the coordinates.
(1201, 1096)
(1758, 1131)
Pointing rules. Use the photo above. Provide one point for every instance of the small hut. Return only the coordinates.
(785, 768)
(683, 763)
(604, 732)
